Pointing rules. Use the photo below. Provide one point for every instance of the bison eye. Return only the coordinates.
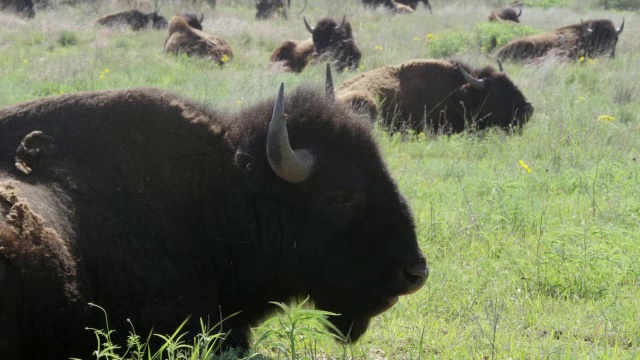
(341, 197)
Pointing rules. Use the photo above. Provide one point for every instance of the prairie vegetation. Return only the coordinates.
(533, 240)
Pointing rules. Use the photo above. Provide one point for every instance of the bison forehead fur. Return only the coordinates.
(433, 94)
(157, 208)
(182, 38)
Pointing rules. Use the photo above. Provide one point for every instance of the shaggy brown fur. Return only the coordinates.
(506, 15)
(568, 42)
(164, 209)
(184, 39)
(293, 55)
(135, 19)
(21, 7)
(46, 270)
(266, 9)
(423, 94)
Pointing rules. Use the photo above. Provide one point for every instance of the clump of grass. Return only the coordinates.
(67, 38)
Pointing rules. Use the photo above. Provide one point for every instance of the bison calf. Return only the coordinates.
(437, 95)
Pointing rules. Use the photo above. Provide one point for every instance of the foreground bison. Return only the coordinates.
(506, 15)
(437, 95)
(329, 41)
(183, 39)
(21, 7)
(591, 38)
(135, 19)
(159, 208)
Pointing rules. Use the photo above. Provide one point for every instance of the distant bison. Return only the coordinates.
(329, 41)
(266, 9)
(398, 6)
(135, 19)
(193, 19)
(183, 39)
(21, 7)
(591, 38)
(159, 209)
(506, 14)
(438, 95)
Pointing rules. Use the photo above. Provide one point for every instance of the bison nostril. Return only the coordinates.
(416, 277)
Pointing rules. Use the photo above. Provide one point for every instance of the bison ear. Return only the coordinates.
(244, 161)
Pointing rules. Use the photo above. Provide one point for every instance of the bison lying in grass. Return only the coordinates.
(505, 15)
(437, 95)
(183, 39)
(329, 41)
(135, 19)
(591, 38)
(158, 208)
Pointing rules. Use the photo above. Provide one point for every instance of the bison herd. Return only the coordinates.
(159, 208)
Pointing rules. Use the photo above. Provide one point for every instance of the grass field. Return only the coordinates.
(533, 240)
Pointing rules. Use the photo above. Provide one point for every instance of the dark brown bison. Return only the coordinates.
(506, 14)
(158, 208)
(442, 96)
(193, 19)
(23, 8)
(135, 19)
(329, 41)
(414, 3)
(183, 39)
(591, 38)
(266, 9)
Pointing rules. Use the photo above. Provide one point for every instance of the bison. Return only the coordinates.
(506, 15)
(158, 208)
(398, 6)
(137, 20)
(329, 41)
(590, 38)
(182, 38)
(439, 95)
(23, 8)
(266, 9)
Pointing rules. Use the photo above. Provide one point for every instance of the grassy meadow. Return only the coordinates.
(533, 240)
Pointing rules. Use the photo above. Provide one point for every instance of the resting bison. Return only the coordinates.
(398, 5)
(158, 208)
(182, 38)
(21, 7)
(329, 42)
(506, 14)
(591, 38)
(442, 96)
(266, 9)
(135, 19)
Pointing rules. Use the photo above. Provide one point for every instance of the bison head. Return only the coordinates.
(157, 21)
(336, 40)
(193, 19)
(268, 8)
(600, 37)
(354, 246)
(490, 98)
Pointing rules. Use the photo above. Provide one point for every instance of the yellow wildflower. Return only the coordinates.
(431, 36)
(581, 59)
(224, 59)
(525, 166)
(606, 118)
(415, 38)
(580, 99)
(379, 48)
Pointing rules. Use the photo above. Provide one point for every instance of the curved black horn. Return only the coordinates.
(328, 85)
(201, 18)
(519, 12)
(341, 26)
(476, 83)
(619, 30)
(500, 65)
(291, 166)
(306, 24)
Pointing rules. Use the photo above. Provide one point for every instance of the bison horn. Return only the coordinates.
(328, 86)
(519, 12)
(201, 18)
(306, 24)
(476, 83)
(291, 166)
(341, 26)
(619, 30)
(500, 65)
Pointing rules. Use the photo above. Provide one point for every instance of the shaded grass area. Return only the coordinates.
(524, 264)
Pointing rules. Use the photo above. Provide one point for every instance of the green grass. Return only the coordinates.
(539, 264)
